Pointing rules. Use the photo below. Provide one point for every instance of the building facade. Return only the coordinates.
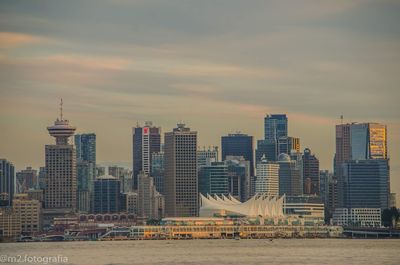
(206, 156)
(106, 195)
(146, 141)
(289, 176)
(28, 212)
(358, 217)
(7, 182)
(214, 179)
(181, 176)
(275, 126)
(267, 181)
(365, 184)
(310, 173)
(158, 170)
(61, 182)
(238, 145)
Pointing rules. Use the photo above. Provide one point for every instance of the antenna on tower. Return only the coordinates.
(341, 119)
(61, 109)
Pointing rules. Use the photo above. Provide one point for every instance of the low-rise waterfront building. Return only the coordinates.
(358, 217)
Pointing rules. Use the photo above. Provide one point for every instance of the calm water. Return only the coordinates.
(280, 251)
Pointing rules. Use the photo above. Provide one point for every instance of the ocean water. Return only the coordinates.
(252, 251)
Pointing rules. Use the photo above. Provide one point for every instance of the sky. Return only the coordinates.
(219, 66)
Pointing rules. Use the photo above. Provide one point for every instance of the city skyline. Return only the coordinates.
(219, 67)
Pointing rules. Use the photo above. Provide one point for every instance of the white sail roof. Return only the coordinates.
(258, 205)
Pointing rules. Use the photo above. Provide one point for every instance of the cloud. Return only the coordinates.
(13, 39)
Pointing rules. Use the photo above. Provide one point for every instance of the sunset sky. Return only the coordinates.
(219, 66)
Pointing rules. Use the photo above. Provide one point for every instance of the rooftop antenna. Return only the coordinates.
(61, 109)
(341, 119)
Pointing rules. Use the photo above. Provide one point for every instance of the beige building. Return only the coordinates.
(181, 179)
(10, 224)
(29, 213)
(150, 202)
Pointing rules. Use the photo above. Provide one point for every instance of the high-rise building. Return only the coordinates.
(86, 147)
(365, 184)
(149, 198)
(328, 192)
(239, 178)
(214, 179)
(42, 178)
(358, 141)
(181, 179)
(289, 176)
(343, 147)
(239, 144)
(266, 148)
(85, 178)
(7, 182)
(275, 126)
(61, 186)
(106, 195)
(86, 169)
(267, 181)
(205, 156)
(287, 144)
(26, 179)
(158, 170)
(146, 141)
(310, 173)
(146, 195)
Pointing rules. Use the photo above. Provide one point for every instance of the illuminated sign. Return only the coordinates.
(145, 130)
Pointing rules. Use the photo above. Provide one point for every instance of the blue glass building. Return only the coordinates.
(7, 182)
(213, 179)
(106, 195)
(365, 184)
(275, 126)
(238, 145)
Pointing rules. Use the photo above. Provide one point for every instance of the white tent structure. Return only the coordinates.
(259, 205)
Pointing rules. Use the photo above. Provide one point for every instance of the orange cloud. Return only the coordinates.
(13, 39)
(109, 63)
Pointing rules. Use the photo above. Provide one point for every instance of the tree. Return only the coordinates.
(390, 217)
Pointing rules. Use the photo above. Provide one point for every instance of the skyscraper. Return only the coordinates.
(343, 147)
(239, 178)
(150, 201)
(86, 147)
(158, 170)
(214, 179)
(238, 145)
(60, 191)
(310, 173)
(289, 176)
(7, 180)
(275, 126)
(287, 144)
(146, 141)
(357, 141)
(267, 181)
(86, 169)
(106, 195)
(181, 182)
(365, 184)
